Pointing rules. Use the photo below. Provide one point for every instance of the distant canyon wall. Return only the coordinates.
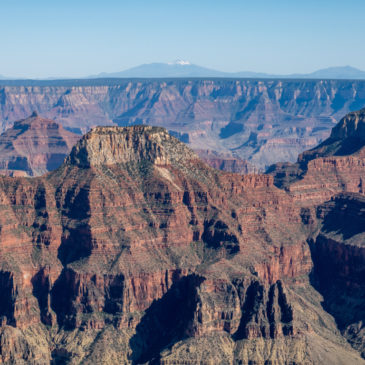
(262, 121)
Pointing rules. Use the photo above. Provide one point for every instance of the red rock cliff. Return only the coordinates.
(134, 250)
(34, 146)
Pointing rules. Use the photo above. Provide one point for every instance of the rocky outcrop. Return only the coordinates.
(34, 146)
(347, 138)
(337, 165)
(135, 251)
(118, 145)
(261, 121)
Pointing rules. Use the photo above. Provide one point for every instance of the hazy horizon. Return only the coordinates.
(66, 39)
(198, 67)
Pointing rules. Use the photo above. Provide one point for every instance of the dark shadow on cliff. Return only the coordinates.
(76, 242)
(344, 215)
(338, 264)
(166, 321)
(217, 235)
(42, 290)
(266, 311)
(56, 160)
(63, 294)
(60, 357)
(71, 298)
(231, 129)
(253, 300)
(340, 280)
(7, 302)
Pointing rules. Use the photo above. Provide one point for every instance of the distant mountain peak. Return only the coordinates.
(184, 69)
(180, 63)
(337, 72)
(347, 67)
(179, 68)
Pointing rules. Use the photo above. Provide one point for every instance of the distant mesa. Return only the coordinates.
(34, 146)
(120, 145)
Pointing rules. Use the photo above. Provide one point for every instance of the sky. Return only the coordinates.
(40, 39)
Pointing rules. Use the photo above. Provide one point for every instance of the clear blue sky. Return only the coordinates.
(42, 38)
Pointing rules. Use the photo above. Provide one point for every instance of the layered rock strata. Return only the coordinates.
(327, 182)
(261, 121)
(336, 165)
(226, 162)
(135, 251)
(338, 253)
(34, 146)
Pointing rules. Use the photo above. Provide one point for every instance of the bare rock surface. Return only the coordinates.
(336, 165)
(34, 146)
(135, 251)
(330, 178)
(226, 162)
(260, 121)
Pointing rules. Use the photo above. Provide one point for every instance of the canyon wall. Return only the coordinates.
(338, 253)
(328, 183)
(262, 121)
(135, 251)
(336, 165)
